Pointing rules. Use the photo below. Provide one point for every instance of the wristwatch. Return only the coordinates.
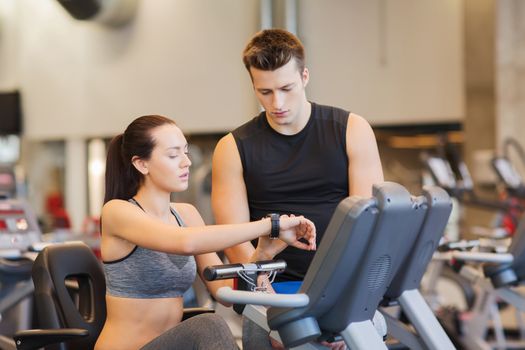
(274, 233)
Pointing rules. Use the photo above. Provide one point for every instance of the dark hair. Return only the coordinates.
(122, 178)
(271, 49)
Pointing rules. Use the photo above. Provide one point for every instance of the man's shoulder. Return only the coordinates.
(327, 112)
(249, 129)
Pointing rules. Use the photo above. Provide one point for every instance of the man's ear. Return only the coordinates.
(305, 76)
(140, 164)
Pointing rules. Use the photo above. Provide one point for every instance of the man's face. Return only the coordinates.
(281, 92)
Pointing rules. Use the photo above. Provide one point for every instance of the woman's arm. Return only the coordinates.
(211, 259)
(125, 220)
(192, 218)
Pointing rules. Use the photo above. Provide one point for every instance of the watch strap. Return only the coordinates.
(275, 218)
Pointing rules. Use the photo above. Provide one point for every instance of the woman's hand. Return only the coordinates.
(292, 229)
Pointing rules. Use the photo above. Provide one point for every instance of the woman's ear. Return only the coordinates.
(140, 164)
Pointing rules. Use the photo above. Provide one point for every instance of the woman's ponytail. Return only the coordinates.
(122, 179)
(120, 182)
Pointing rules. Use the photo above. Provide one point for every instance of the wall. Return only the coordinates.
(84, 79)
(8, 45)
(510, 80)
(480, 75)
(390, 61)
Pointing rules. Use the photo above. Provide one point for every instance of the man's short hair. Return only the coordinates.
(271, 49)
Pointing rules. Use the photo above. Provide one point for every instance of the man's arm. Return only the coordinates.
(228, 196)
(364, 164)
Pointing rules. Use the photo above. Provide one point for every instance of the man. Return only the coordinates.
(295, 157)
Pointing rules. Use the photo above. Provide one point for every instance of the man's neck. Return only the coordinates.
(298, 123)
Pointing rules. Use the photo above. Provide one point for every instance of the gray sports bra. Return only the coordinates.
(146, 273)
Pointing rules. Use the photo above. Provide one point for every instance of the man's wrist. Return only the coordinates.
(259, 254)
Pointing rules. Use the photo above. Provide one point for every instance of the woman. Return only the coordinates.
(152, 248)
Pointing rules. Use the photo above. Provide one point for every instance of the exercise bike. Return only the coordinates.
(19, 237)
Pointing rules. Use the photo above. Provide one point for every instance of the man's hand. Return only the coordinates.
(276, 345)
(338, 345)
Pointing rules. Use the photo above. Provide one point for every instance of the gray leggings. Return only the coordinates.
(202, 332)
(254, 337)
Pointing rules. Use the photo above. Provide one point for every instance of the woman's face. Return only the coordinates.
(169, 165)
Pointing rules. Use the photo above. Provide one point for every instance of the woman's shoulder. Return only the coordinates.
(113, 213)
(184, 209)
(115, 204)
(190, 215)
(117, 207)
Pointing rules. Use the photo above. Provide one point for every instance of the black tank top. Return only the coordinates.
(302, 174)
